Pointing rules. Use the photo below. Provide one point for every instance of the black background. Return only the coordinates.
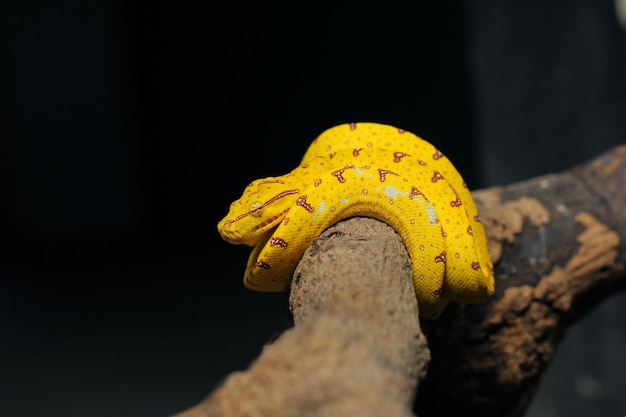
(127, 128)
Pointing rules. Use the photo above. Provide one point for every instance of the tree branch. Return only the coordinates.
(559, 246)
(357, 349)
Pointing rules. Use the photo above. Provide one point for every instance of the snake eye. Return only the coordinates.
(256, 208)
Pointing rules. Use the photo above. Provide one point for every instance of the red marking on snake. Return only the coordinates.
(470, 231)
(270, 201)
(436, 293)
(352, 126)
(436, 176)
(271, 182)
(305, 165)
(332, 155)
(457, 202)
(401, 131)
(475, 266)
(397, 156)
(277, 241)
(356, 151)
(383, 174)
(301, 201)
(419, 161)
(317, 182)
(261, 264)
(281, 195)
(414, 192)
(441, 258)
(339, 175)
(437, 155)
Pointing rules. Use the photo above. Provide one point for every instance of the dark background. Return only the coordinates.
(127, 128)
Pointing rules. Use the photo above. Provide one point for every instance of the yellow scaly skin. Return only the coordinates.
(372, 170)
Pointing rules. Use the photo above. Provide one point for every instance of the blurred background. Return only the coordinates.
(127, 128)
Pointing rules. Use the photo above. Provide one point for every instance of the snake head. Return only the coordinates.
(263, 205)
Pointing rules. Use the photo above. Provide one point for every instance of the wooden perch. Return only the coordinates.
(357, 349)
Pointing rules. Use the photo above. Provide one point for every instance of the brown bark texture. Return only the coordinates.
(357, 346)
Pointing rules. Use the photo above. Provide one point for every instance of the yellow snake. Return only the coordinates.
(372, 170)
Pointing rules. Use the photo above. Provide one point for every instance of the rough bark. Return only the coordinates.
(356, 348)
(559, 246)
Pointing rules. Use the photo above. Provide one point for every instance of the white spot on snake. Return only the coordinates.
(393, 192)
(321, 208)
(361, 172)
(432, 214)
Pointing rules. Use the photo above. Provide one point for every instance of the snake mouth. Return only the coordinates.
(232, 236)
(231, 233)
(251, 238)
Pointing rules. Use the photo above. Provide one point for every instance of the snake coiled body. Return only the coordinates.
(372, 170)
